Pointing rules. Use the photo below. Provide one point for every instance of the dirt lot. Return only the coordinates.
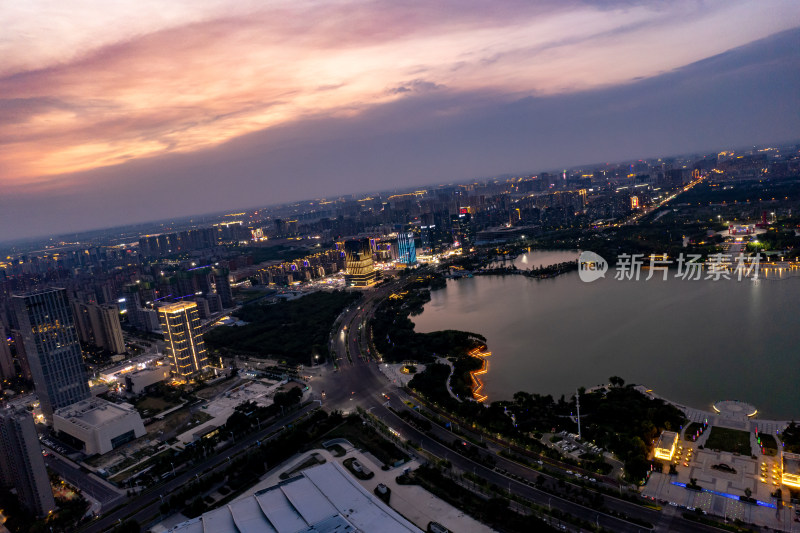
(210, 392)
(176, 423)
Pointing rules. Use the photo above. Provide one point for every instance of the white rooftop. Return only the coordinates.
(322, 499)
(94, 412)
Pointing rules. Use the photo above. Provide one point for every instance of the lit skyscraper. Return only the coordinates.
(360, 266)
(21, 462)
(406, 250)
(180, 323)
(51, 344)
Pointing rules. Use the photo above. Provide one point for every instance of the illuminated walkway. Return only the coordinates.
(726, 413)
(477, 384)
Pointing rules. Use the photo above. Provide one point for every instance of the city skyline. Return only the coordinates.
(339, 98)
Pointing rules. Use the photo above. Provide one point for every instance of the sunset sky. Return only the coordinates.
(123, 111)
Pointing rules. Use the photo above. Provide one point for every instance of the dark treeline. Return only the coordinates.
(294, 330)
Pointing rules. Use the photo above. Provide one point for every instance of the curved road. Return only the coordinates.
(358, 382)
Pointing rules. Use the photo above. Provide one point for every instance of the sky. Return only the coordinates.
(137, 110)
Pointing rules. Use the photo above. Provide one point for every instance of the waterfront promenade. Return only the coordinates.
(731, 414)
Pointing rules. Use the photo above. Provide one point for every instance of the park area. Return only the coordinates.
(295, 331)
(729, 440)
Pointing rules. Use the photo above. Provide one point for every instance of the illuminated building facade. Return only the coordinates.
(358, 261)
(406, 250)
(180, 323)
(790, 463)
(21, 462)
(52, 348)
(665, 447)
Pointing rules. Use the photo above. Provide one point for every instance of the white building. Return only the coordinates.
(321, 498)
(138, 380)
(98, 424)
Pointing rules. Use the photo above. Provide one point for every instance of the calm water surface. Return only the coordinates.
(691, 341)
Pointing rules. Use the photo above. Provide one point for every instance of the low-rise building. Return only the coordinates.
(790, 463)
(666, 445)
(322, 498)
(139, 380)
(97, 426)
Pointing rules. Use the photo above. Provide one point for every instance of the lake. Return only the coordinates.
(694, 342)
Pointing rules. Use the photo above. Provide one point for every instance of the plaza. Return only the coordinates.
(735, 486)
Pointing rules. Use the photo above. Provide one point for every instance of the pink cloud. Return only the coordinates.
(182, 87)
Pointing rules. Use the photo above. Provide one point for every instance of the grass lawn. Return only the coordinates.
(729, 440)
(197, 418)
(691, 429)
(152, 405)
(769, 443)
(121, 478)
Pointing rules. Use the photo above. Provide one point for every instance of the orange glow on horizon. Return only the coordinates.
(95, 88)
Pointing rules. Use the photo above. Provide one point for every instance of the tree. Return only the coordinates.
(496, 507)
(128, 526)
(616, 381)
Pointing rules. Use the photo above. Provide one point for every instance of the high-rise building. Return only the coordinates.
(360, 266)
(406, 250)
(222, 285)
(22, 355)
(6, 361)
(52, 348)
(99, 325)
(180, 323)
(21, 462)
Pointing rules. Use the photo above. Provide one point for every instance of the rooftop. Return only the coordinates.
(176, 307)
(94, 412)
(666, 437)
(322, 499)
(791, 463)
